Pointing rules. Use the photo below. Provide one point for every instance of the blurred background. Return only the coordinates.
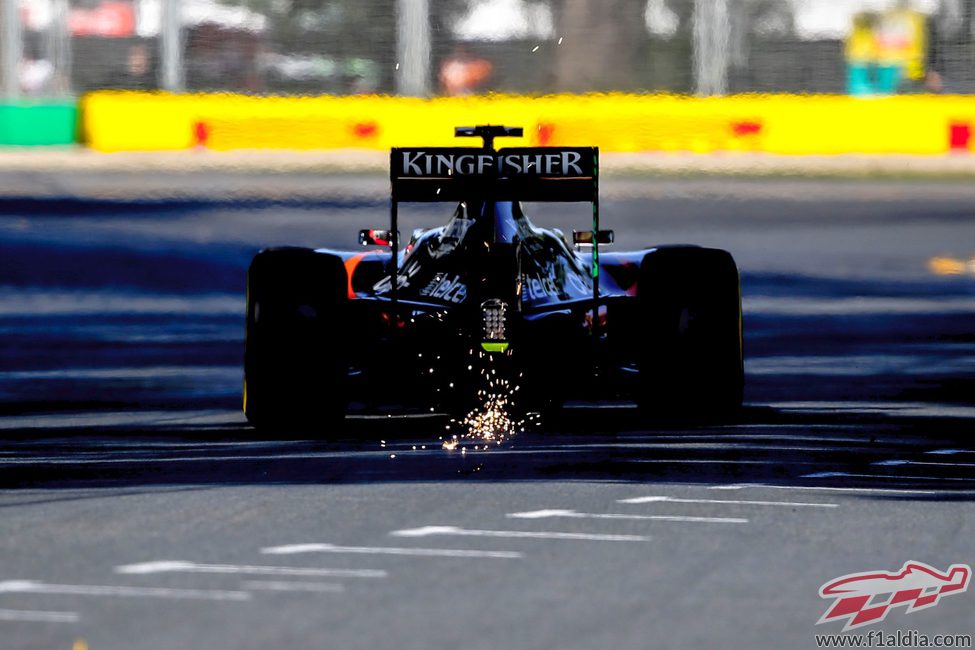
(62, 63)
(63, 48)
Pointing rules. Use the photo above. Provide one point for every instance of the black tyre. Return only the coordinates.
(295, 362)
(691, 361)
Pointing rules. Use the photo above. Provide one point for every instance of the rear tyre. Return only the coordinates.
(294, 353)
(691, 361)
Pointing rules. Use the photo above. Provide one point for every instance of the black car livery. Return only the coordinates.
(489, 302)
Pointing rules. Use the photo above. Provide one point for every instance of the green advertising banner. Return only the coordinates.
(38, 123)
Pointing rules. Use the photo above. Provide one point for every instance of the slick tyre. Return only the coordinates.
(691, 361)
(294, 354)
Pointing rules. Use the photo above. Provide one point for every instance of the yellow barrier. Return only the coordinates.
(780, 124)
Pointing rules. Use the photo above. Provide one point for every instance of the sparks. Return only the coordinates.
(491, 422)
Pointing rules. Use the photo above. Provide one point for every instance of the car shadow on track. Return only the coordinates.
(840, 447)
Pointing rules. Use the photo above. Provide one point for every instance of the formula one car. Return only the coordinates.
(489, 306)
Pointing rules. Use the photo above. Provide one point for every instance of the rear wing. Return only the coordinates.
(513, 174)
(433, 174)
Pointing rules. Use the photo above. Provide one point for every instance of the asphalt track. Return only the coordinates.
(138, 511)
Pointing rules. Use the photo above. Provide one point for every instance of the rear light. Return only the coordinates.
(493, 317)
(392, 321)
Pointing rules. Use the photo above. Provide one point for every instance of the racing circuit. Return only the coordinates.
(177, 525)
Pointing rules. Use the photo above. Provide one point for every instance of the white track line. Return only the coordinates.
(827, 488)
(70, 459)
(32, 616)
(707, 446)
(709, 461)
(931, 463)
(291, 549)
(572, 514)
(427, 531)
(664, 499)
(33, 587)
(950, 452)
(170, 566)
(279, 585)
(886, 476)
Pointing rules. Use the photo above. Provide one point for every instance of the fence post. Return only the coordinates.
(11, 49)
(59, 48)
(413, 47)
(171, 47)
(711, 46)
